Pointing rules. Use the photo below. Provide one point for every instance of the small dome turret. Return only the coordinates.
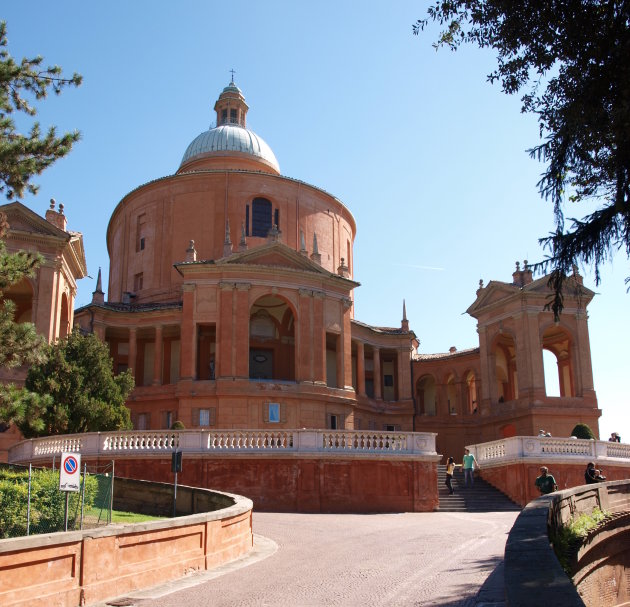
(231, 137)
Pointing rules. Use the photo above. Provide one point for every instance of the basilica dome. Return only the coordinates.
(231, 137)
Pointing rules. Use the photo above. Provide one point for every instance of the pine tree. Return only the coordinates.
(569, 59)
(22, 156)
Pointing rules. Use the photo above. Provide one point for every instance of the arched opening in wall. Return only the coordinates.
(271, 340)
(472, 406)
(556, 344)
(64, 317)
(506, 371)
(21, 294)
(332, 349)
(426, 396)
(451, 394)
(389, 370)
(206, 351)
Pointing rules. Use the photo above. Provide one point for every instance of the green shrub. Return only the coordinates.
(569, 538)
(47, 502)
(177, 425)
(582, 431)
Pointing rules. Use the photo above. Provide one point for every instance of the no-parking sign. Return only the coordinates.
(70, 472)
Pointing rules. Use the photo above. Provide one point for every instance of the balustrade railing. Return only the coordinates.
(520, 447)
(228, 441)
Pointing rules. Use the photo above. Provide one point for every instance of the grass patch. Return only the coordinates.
(120, 517)
(569, 538)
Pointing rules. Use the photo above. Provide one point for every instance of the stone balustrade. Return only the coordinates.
(550, 449)
(301, 442)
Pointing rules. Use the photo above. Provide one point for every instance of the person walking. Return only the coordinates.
(546, 483)
(450, 469)
(469, 464)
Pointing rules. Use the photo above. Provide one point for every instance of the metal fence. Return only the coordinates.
(31, 502)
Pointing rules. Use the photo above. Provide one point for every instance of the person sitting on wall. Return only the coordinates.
(592, 475)
(546, 483)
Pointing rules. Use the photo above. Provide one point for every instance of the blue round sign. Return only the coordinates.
(70, 464)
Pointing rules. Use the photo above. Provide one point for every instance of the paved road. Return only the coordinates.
(417, 559)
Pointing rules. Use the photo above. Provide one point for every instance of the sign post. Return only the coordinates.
(176, 466)
(69, 477)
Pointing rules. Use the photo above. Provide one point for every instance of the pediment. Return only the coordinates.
(21, 219)
(494, 292)
(276, 255)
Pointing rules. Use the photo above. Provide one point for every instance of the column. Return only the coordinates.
(133, 349)
(319, 338)
(240, 322)
(304, 345)
(360, 368)
(378, 380)
(157, 356)
(223, 364)
(346, 344)
(188, 345)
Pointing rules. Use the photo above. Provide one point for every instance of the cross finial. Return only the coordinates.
(232, 72)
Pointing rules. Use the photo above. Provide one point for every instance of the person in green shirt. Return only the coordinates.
(469, 464)
(546, 483)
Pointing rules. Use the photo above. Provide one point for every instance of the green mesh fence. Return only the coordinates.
(45, 511)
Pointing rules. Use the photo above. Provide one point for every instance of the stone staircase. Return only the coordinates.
(481, 497)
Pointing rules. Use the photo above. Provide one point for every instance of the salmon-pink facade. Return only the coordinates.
(231, 298)
(47, 298)
(498, 390)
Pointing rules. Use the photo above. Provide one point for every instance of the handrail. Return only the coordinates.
(536, 447)
(155, 442)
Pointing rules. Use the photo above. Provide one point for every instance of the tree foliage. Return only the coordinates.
(582, 431)
(83, 393)
(24, 155)
(569, 59)
(20, 344)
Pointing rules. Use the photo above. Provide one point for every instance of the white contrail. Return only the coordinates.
(409, 265)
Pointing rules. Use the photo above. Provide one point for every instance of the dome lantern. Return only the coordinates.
(231, 107)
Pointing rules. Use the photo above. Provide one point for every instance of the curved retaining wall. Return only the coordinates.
(83, 567)
(533, 575)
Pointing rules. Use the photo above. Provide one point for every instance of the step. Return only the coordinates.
(480, 497)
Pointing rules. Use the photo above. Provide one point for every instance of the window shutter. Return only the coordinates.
(195, 416)
(266, 412)
(134, 420)
(213, 416)
(342, 421)
(328, 421)
(148, 418)
(283, 412)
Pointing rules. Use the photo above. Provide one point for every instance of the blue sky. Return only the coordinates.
(429, 157)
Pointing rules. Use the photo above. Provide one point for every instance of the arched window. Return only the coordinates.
(261, 217)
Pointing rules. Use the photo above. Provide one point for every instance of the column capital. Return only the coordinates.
(346, 302)
(242, 286)
(319, 294)
(226, 286)
(305, 293)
